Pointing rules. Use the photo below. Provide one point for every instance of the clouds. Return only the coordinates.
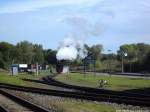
(129, 16)
(119, 20)
(33, 5)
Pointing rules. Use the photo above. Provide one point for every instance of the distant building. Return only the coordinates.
(23, 67)
(62, 67)
(14, 69)
(20, 67)
(30, 68)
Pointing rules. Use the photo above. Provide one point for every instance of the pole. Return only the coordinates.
(130, 67)
(37, 68)
(122, 65)
(109, 66)
(94, 67)
(84, 68)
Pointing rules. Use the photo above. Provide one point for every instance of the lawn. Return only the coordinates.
(6, 77)
(114, 82)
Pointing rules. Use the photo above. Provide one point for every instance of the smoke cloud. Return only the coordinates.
(67, 53)
(69, 48)
(84, 29)
(73, 45)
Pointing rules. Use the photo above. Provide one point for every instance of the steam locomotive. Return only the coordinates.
(62, 66)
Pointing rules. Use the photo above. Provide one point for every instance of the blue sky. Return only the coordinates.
(107, 22)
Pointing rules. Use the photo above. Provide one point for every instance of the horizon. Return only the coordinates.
(111, 24)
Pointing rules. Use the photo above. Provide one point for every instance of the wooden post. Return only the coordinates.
(122, 63)
(37, 68)
(84, 69)
(94, 67)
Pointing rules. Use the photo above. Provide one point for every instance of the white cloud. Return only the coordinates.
(32, 5)
(126, 20)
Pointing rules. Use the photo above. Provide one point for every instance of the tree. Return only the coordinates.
(143, 50)
(95, 50)
(38, 55)
(6, 57)
(2, 63)
(50, 56)
(147, 62)
(25, 52)
(137, 54)
(131, 51)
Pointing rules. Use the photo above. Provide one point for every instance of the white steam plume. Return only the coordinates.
(69, 48)
(67, 53)
(73, 45)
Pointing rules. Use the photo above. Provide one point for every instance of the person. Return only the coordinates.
(102, 83)
(105, 82)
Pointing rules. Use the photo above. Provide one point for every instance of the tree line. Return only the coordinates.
(137, 59)
(23, 52)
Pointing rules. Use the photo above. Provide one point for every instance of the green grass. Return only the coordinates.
(114, 82)
(7, 78)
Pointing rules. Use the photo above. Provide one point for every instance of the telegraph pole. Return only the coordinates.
(122, 63)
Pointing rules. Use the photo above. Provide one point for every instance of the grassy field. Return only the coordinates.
(66, 106)
(6, 77)
(114, 82)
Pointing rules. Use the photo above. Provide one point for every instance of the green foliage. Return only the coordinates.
(50, 56)
(95, 50)
(29, 53)
(38, 55)
(137, 56)
(110, 63)
(23, 52)
(6, 54)
(98, 64)
(1, 61)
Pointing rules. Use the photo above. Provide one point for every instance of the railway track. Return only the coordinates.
(2, 109)
(114, 96)
(49, 80)
(22, 102)
(120, 99)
